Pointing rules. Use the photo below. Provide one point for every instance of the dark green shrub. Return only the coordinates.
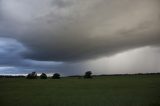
(88, 74)
(43, 76)
(32, 75)
(56, 76)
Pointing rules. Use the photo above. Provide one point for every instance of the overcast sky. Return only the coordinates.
(73, 36)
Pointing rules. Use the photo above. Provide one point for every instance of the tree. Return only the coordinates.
(56, 76)
(43, 76)
(32, 75)
(88, 74)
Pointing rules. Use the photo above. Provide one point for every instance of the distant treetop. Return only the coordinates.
(88, 74)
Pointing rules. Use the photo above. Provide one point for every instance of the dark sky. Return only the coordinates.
(73, 36)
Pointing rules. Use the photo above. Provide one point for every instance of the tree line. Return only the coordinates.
(33, 75)
(88, 74)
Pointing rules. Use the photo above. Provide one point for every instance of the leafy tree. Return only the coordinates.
(32, 75)
(56, 76)
(88, 74)
(43, 76)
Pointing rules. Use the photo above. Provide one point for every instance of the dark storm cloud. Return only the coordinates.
(10, 51)
(69, 30)
(12, 61)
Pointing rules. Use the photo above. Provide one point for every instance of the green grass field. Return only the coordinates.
(137, 90)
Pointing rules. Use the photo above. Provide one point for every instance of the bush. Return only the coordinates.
(32, 75)
(43, 76)
(56, 76)
(88, 74)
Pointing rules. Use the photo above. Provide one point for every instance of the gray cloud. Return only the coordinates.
(76, 30)
(10, 51)
(140, 60)
(84, 29)
(61, 3)
(12, 61)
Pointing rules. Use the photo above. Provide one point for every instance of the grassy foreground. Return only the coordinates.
(138, 90)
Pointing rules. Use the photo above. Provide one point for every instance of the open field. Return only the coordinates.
(136, 90)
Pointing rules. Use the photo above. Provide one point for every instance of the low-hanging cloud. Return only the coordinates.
(69, 30)
(53, 34)
(12, 60)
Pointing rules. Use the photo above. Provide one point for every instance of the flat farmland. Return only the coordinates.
(134, 90)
